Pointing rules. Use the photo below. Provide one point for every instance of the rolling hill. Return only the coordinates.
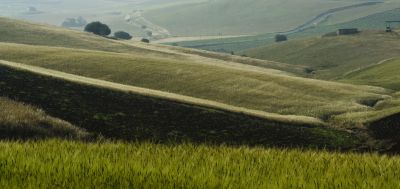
(16, 31)
(239, 44)
(224, 96)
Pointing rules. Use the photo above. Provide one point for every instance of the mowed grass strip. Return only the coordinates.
(63, 164)
(259, 90)
(20, 121)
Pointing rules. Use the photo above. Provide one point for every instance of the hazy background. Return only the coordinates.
(193, 18)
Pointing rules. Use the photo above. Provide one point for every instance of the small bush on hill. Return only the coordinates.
(98, 28)
(122, 35)
(280, 38)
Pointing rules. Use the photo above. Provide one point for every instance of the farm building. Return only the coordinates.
(347, 31)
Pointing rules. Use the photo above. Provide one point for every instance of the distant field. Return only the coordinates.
(235, 17)
(143, 165)
(371, 21)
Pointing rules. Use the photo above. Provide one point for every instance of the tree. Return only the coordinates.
(144, 40)
(280, 38)
(122, 35)
(98, 28)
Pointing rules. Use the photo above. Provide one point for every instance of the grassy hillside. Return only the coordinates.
(230, 17)
(19, 121)
(297, 104)
(162, 117)
(333, 57)
(121, 165)
(269, 91)
(385, 75)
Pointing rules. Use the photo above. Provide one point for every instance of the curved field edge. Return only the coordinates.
(146, 165)
(124, 114)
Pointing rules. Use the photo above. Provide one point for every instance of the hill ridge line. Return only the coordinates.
(311, 121)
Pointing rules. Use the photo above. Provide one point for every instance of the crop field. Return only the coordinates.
(62, 164)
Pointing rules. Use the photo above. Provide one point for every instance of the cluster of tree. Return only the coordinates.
(101, 29)
(74, 22)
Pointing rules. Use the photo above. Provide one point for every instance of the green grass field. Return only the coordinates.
(63, 164)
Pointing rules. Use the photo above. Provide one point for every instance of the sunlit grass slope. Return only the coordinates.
(19, 121)
(263, 90)
(386, 74)
(119, 165)
(333, 57)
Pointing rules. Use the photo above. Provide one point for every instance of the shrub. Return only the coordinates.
(280, 37)
(122, 35)
(98, 28)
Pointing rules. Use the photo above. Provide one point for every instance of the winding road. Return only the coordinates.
(323, 16)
